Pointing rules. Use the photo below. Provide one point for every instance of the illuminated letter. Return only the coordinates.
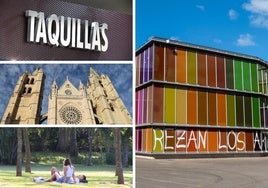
(228, 140)
(202, 139)
(73, 32)
(87, 44)
(53, 37)
(166, 140)
(95, 36)
(159, 139)
(240, 141)
(104, 47)
(31, 24)
(41, 28)
(79, 44)
(220, 146)
(192, 138)
(257, 140)
(181, 135)
(65, 42)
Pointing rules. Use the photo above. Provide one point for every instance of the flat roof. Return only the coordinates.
(197, 47)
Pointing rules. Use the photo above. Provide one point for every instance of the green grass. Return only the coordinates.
(97, 175)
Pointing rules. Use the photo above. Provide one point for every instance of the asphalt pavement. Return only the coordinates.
(246, 172)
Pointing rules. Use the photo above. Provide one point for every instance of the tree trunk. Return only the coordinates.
(19, 153)
(125, 152)
(63, 140)
(118, 159)
(73, 143)
(27, 150)
(90, 140)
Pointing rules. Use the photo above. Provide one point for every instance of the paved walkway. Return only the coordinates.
(214, 172)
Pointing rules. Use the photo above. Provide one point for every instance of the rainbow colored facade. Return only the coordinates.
(194, 99)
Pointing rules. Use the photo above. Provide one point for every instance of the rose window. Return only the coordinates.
(70, 115)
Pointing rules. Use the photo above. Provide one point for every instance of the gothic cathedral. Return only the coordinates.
(95, 103)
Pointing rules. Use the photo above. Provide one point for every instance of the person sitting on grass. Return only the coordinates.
(55, 175)
(68, 172)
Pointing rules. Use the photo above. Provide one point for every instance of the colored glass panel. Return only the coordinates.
(220, 72)
(145, 113)
(246, 76)
(249, 141)
(158, 63)
(238, 75)
(202, 108)
(170, 105)
(260, 78)
(230, 110)
(211, 70)
(158, 104)
(137, 70)
(221, 108)
(140, 116)
(180, 137)
(212, 141)
(150, 68)
(254, 77)
(256, 112)
(137, 107)
(141, 67)
(222, 141)
(202, 69)
(169, 140)
(191, 67)
(229, 74)
(192, 141)
(150, 104)
(181, 66)
(158, 140)
(146, 65)
(149, 141)
(181, 106)
(248, 111)
(170, 65)
(265, 81)
(191, 107)
(202, 141)
(144, 139)
(212, 111)
(139, 139)
(239, 111)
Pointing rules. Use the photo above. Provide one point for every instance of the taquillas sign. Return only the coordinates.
(66, 31)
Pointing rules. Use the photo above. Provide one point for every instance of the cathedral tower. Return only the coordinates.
(24, 106)
(107, 105)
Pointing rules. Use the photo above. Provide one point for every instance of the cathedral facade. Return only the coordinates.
(97, 102)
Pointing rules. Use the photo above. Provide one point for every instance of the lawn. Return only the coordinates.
(97, 176)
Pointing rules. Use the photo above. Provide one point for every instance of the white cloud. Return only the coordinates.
(200, 7)
(259, 12)
(245, 40)
(218, 41)
(233, 14)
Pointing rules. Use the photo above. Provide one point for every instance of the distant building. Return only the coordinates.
(192, 99)
(96, 103)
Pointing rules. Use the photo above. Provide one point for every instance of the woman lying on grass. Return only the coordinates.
(56, 176)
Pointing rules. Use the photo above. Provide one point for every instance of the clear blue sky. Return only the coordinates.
(234, 25)
(119, 74)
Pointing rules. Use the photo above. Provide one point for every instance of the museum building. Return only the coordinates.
(192, 99)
